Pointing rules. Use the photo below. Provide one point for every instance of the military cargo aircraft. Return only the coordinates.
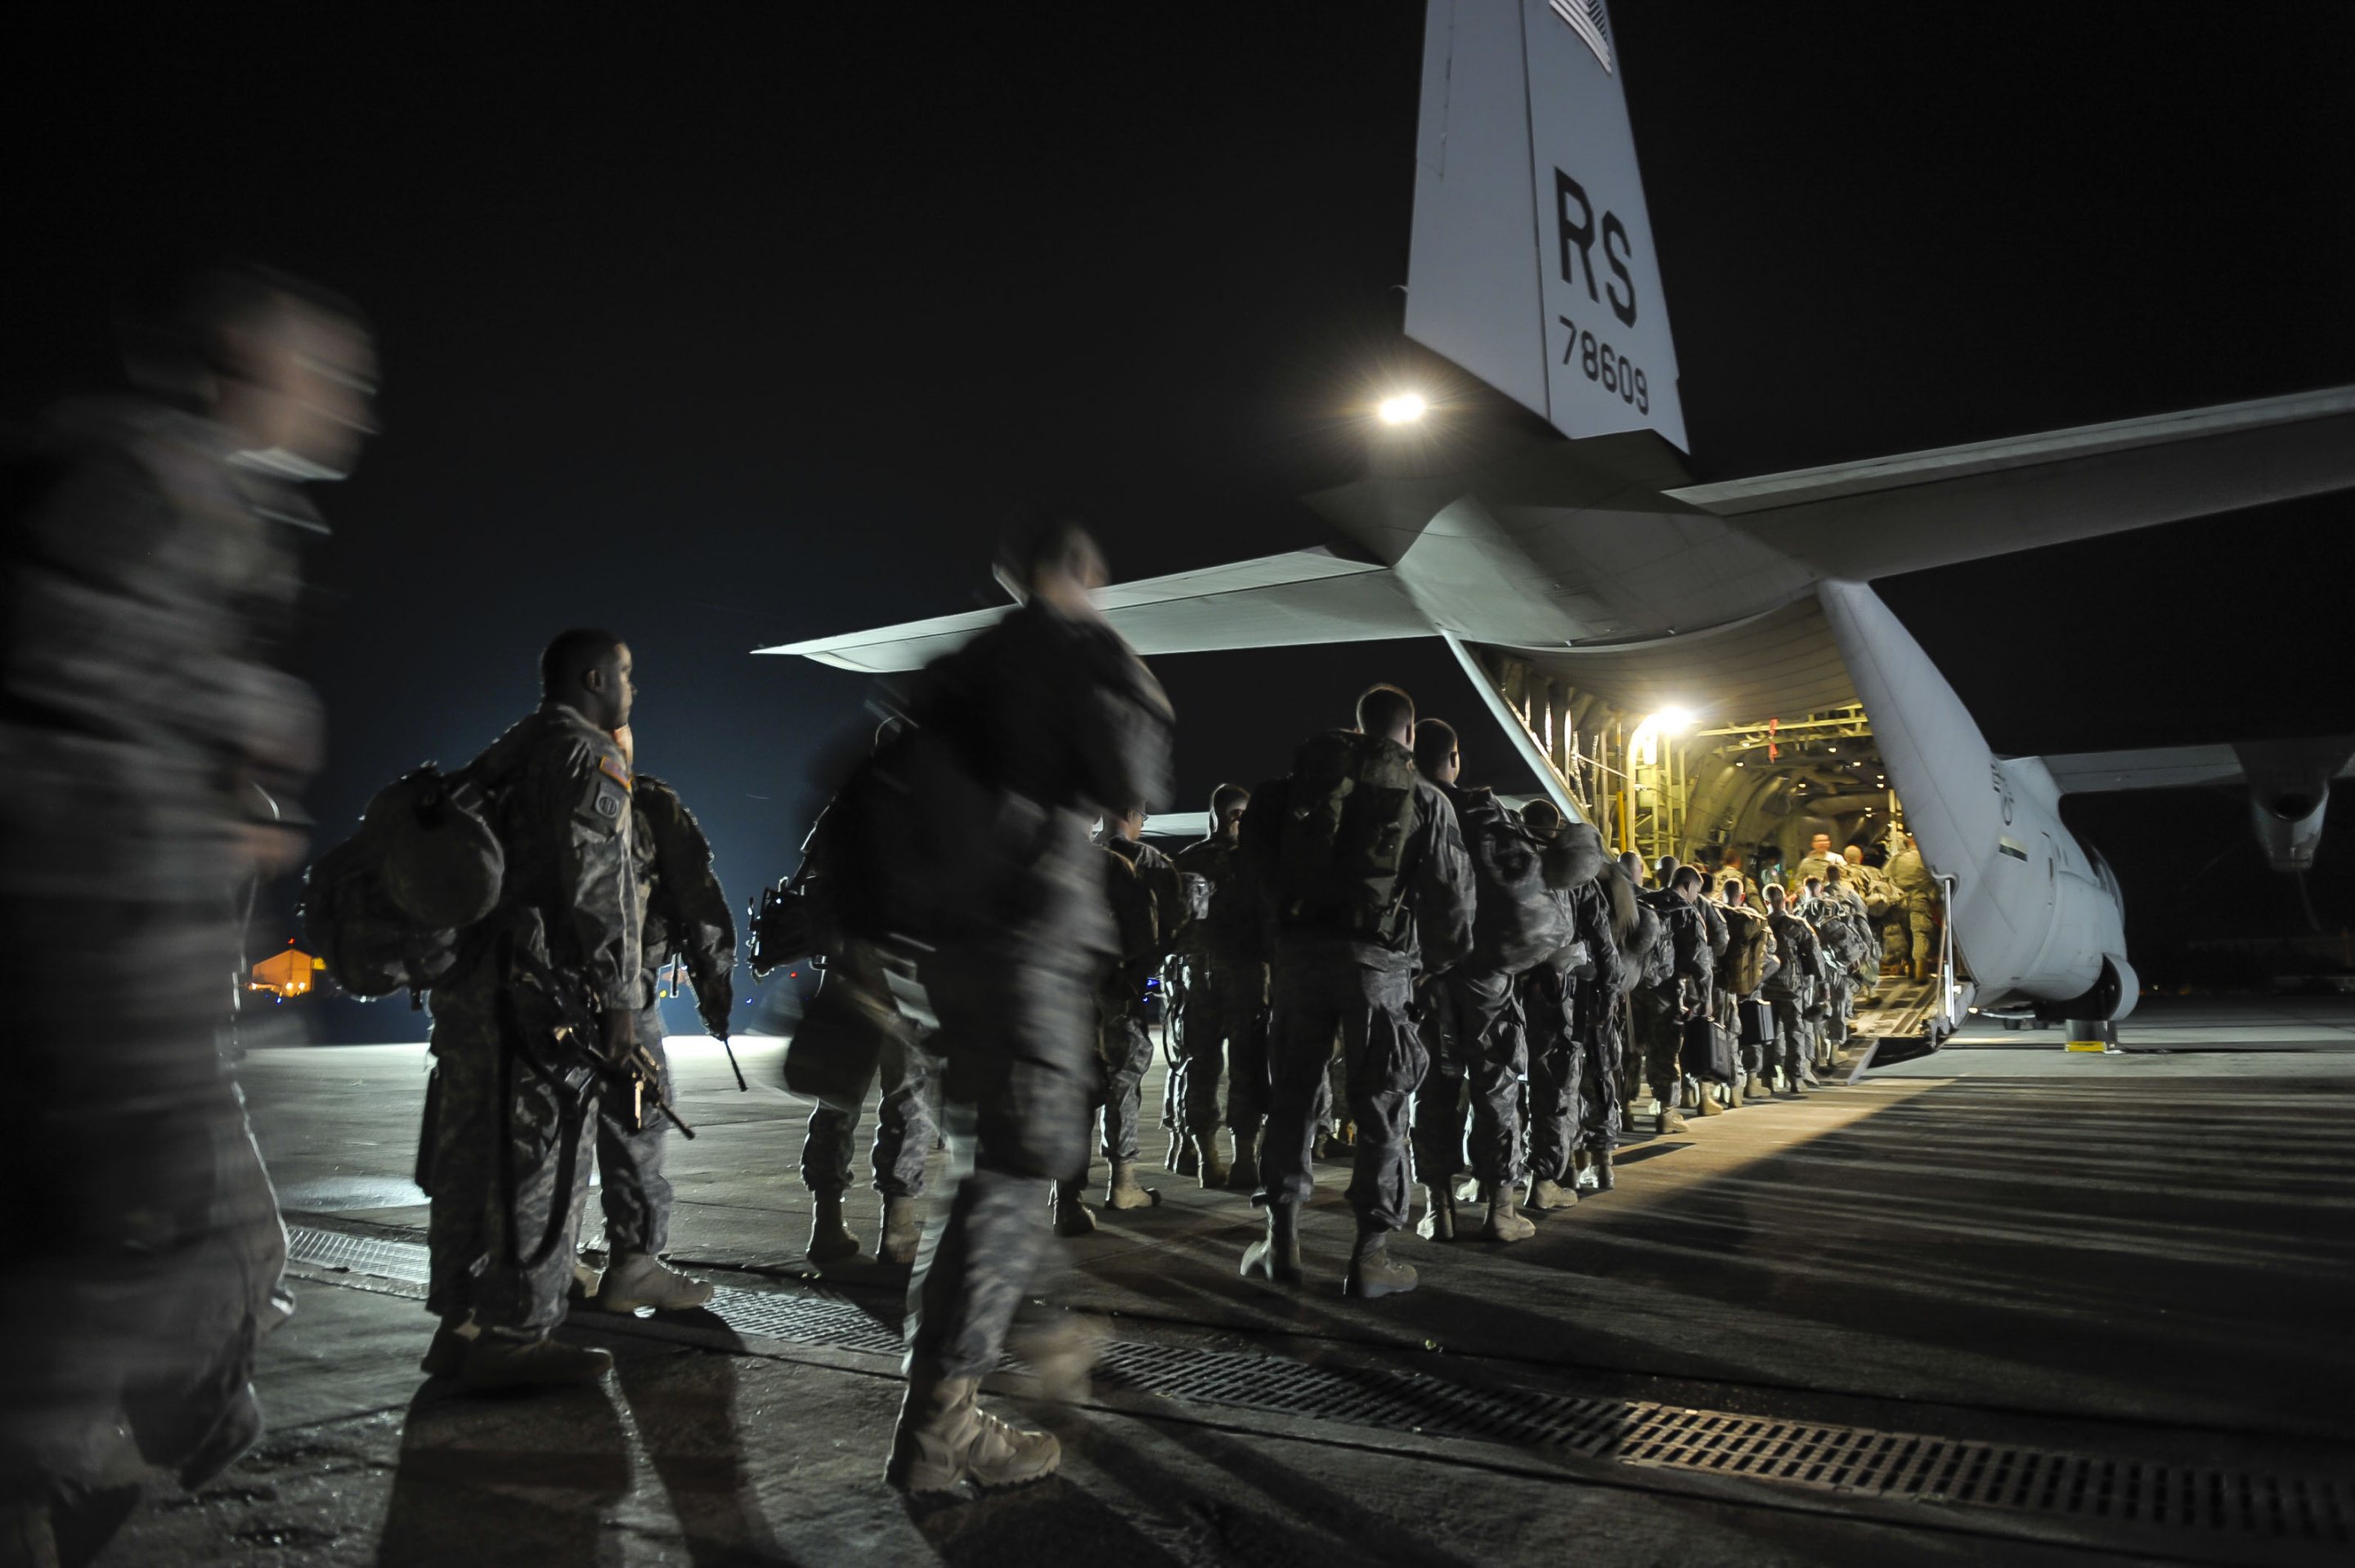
(1692, 666)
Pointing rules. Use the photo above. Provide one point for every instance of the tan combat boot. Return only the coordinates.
(1438, 1222)
(903, 1229)
(945, 1438)
(1506, 1222)
(830, 1237)
(1276, 1256)
(1547, 1195)
(1125, 1192)
(1072, 1217)
(1215, 1170)
(1243, 1176)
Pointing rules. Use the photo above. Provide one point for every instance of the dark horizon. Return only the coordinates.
(726, 338)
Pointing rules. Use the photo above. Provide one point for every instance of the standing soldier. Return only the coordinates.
(515, 1083)
(1226, 999)
(1147, 908)
(1749, 956)
(1675, 985)
(686, 919)
(1560, 999)
(1789, 990)
(1920, 891)
(1360, 862)
(150, 740)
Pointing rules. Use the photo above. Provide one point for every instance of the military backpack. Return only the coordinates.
(1349, 809)
(384, 909)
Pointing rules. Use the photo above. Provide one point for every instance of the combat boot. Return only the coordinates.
(1582, 1163)
(1438, 1222)
(1243, 1176)
(639, 1279)
(1213, 1168)
(1756, 1088)
(498, 1360)
(1808, 1076)
(1276, 1256)
(1546, 1195)
(830, 1237)
(903, 1228)
(1671, 1119)
(945, 1437)
(1708, 1105)
(1072, 1217)
(1186, 1159)
(447, 1353)
(1123, 1191)
(1601, 1167)
(1506, 1222)
(1372, 1271)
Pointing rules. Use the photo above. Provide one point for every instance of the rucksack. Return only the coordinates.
(1519, 919)
(920, 847)
(1348, 812)
(384, 909)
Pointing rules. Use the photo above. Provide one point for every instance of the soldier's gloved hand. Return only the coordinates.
(618, 1030)
(713, 998)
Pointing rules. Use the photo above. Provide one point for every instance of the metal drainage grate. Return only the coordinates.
(811, 1317)
(1893, 1466)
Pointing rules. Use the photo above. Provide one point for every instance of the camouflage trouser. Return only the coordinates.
(1124, 1052)
(904, 1127)
(1557, 1072)
(1603, 1043)
(1842, 1002)
(1790, 1048)
(509, 1172)
(1013, 1048)
(1225, 1015)
(1922, 920)
(1321, 990)
(636, 1196)
(1479, 1047)
(1660, 1033)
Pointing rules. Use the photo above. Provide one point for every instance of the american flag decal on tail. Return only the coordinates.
(1590, 22)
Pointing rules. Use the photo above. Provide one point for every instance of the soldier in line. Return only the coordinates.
(515, 1084)
(978, 867)
(1226, 1000)
(1563, 1001)
(1749, 959)
(153, 747)
(1790, 991)
(1149, 908)
(1675, 985)
(686, 919)
(1366, 877)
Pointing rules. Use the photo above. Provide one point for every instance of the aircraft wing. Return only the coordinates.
(2171, 767)
(1904, 514)
(1275, 601)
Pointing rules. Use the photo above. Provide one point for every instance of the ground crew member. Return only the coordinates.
(1920, 893)
(1226, 1000)
(515, 1085)
(1675, 985)
(1365, 875)
(1022, 739)
(687, 919)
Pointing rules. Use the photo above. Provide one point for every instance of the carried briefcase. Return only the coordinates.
(1757, 1022)
(1709, 1052)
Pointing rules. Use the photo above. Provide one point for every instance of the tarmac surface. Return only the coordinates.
(2001, 1303)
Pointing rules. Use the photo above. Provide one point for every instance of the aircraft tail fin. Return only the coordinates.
(1533, 264)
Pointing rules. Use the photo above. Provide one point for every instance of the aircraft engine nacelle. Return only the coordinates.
(2289, 785)
(2110, 997)
(2289, 824)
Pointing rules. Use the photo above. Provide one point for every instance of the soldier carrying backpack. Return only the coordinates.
(1367, 879)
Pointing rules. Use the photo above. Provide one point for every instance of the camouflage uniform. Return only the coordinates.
(1061, 724)
(1920, 891)
(507, 1169)
(1226, 997)
(1571, 1061)
(1333, 981)
(686, 914)
(1149, 906)
(1789, 992)
(1677, 984)
(147, 582)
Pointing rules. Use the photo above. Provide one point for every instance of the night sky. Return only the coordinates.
(728, 337)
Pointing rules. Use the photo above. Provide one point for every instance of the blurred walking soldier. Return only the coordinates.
(1226, 999)
(516, 1084)
(1361, 862)
(968, 862)
(150, 749)
(686, 920)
